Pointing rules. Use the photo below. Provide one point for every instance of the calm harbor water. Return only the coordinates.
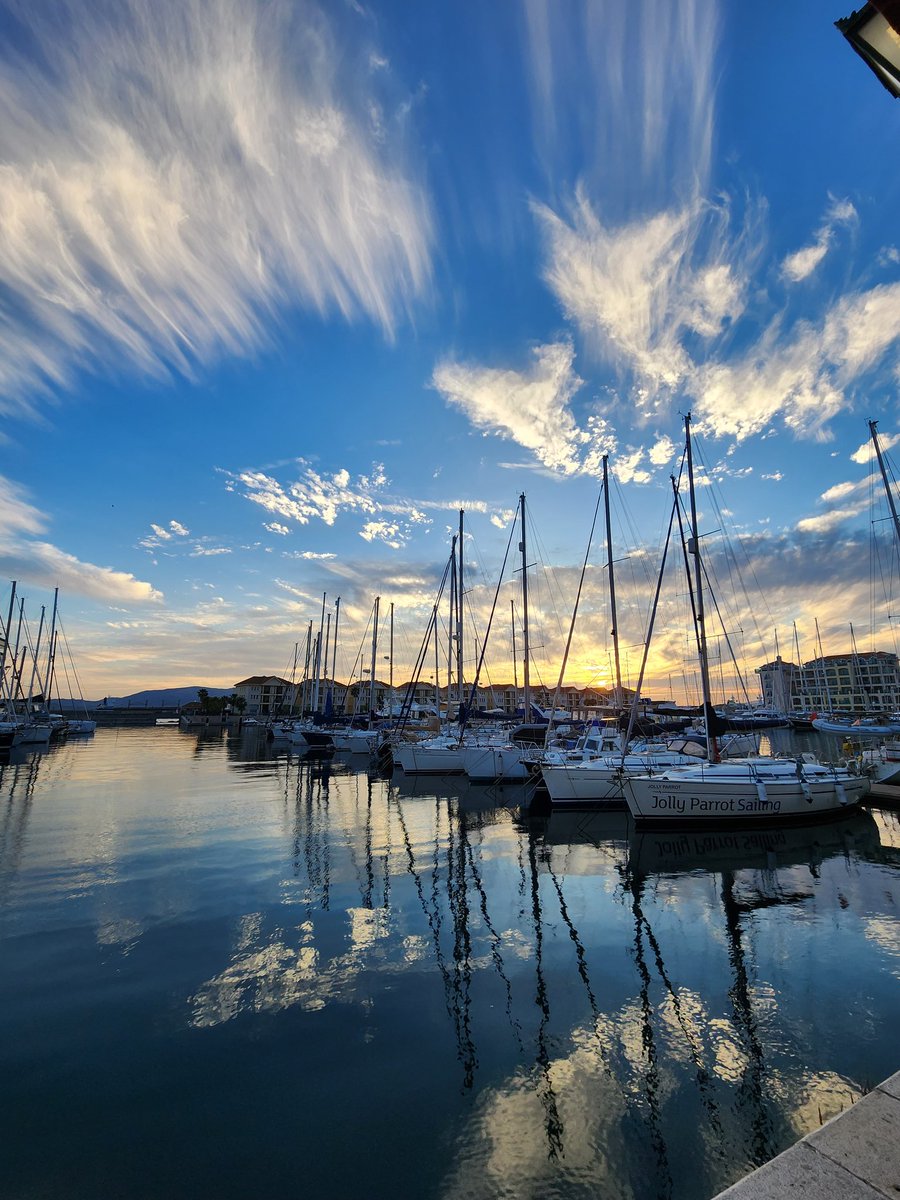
(231, 972)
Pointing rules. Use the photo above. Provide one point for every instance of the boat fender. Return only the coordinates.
(761, 790)
(841, 791)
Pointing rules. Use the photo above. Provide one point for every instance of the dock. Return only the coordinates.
(854, 1156)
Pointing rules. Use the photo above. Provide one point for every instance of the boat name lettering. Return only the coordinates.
(717, 843)
(668, 803)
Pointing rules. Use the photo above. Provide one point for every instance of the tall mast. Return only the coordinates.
(337, 613)
(34, 660)
(19, 667)
(391, 663)
(304, 691)
(459, 621)
(437, 669)
(453, 630)
(51, 653)
(827, 687)
(526, 678)
(325, 659)
(873, 425)
(334, 647)
(374, 652)
(318, 662)
(6, 633)
(694, 548)
(612, 581)
(512, 617)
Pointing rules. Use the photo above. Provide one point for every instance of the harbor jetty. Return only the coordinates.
(854, 1156)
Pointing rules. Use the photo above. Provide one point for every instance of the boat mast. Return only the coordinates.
(337, 613)
(512, 618)
(694, 548)
(459, 622)
(437, 670)
(453, 627)
(526, 680)
(51, 654)
(873, 426)
(304, 690)
(374, 652)
(3, 655)
(34, 660)
(318, 658)
(327, 703)
(612, 583)
(391, 665)
(827, 686)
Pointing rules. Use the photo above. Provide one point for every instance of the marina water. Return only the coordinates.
(229, 971)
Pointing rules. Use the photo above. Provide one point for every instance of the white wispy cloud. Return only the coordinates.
(327, 496)
(32, 561)
(864, 452)
(626, 467)
(312, 496)
(663, 451)
(174, 175)
(277, 527)
(803, 262)
(17, 514)
(840, 491)
(829, 520)
(387, 532)
(531, 407)
(642, 113)
(804, 374)
(635, 291)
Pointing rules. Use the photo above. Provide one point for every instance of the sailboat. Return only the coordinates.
(596, 779)
(441, 754)
(740, 791)
(497, 759)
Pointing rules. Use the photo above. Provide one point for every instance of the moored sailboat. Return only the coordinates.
(740, 791)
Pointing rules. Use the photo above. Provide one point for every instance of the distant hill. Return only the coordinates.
(159, 697)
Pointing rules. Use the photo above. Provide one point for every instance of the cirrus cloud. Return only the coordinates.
(161, 206)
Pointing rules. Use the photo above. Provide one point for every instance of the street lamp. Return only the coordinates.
(874, 33)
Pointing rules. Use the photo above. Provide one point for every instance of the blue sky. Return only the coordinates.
(285, 285)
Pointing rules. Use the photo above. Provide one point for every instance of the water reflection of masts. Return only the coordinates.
(311, 844)
(457, 1001)
(651, 1078)
(546, 1094)
(19, 780)
(745, 1021)
(751, 1091)
(496, 943)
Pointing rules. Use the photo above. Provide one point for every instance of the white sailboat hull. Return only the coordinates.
(417, 758)
(600, 782)
(743, 794)
(883, 763)
(357, 741)
(32, 735)
(491, 764)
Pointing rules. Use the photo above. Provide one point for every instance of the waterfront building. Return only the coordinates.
(265, 694)
(858, 683)
(780, 684)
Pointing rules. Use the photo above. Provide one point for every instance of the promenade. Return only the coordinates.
(854, 1156)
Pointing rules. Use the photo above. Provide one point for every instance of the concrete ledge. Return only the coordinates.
(855, 1155)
